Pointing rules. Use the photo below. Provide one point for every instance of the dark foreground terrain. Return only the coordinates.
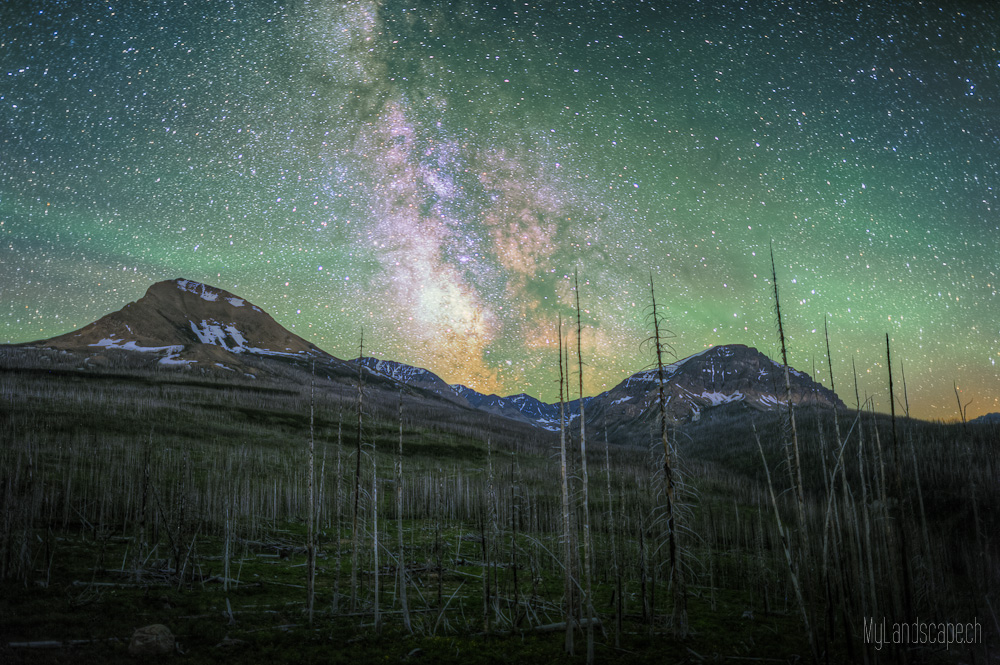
(132, 497)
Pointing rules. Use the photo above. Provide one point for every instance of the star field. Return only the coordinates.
(434, 173)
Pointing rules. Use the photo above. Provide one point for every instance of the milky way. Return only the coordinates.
(433, 173)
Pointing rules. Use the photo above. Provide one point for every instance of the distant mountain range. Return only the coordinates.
(186, 325)
(731, 374)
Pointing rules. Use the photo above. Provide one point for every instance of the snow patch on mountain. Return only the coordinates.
(130, 345)
(395, 370)
(275, 354)
(233, 340)
(668, 370)
(212, 333)
(791, 370)
(202, 291)
(172, 359)
(716, 398)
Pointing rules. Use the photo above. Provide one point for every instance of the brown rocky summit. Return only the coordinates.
(188, 322)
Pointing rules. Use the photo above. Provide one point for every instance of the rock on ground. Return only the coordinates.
(151, 640)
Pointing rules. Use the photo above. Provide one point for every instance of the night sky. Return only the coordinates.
(434, 172)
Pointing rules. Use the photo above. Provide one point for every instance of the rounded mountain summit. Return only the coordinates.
(187, 322)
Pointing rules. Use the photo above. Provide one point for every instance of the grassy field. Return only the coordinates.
(132, 497)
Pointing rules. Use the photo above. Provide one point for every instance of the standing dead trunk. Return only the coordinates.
(491, 544)
(794, 465)
(866, 540)
(587, 554)
(612, 529)
(900, 508)
(786, 547)
(401, 562)
(311, 527)
(338, 497)
(438, 541)
(141, 540)
(679, 619)
(226, 554)
(515, 519)
(962, 410)
(567, 546)
(377, 619)
(357, 481)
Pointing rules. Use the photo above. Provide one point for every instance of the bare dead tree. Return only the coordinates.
(339, 499)
(567, 545)
(795, 466)
(377, 611)
(587, 553)
(900, 508)
(357, 480)
(829, 366)
(142, 536)
(962, 410)
(679, 619)
(612, 529)
(865, 512)
(401, 563)
(786, 546)
(311, 527)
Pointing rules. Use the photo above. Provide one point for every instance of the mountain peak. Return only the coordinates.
(181, 288)
(719, 375)
(188, 322)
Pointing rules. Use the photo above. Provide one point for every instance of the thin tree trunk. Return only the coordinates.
(338, 488)
(141, 535)
(567, 548)
(515, 517)
(612, 528)
(787, 548)
(865, 512)
(357, 482)
(679, 620)
(795, 467)
(900, 499)
(491, 542)
(399, 523)
(587, 554)
(225, 554)
(311, 527)
(377, 619)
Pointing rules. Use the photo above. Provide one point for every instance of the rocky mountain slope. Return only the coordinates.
(416, 377)
(186, 323)
(731, 374)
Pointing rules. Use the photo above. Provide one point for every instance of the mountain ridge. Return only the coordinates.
(185, 323)
(720, 375)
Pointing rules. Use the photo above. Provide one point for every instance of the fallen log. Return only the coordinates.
(555, 627)
(56, 644)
